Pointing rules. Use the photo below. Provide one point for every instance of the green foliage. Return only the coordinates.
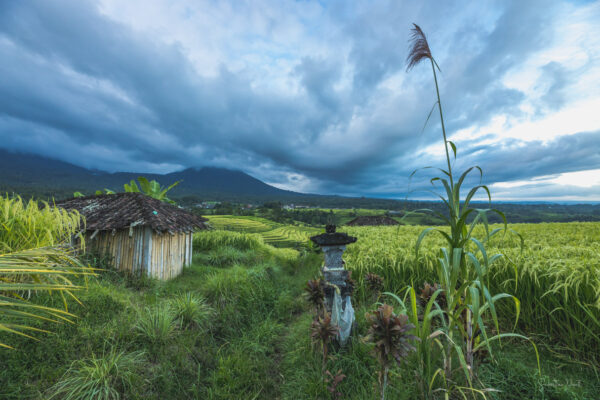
(34, 257)
(470, 319)
(156, 325)
(108, 377)
(259, 345)
(191, 310)
(27, 225)
(273, 233)
(150, 188)
(212, 240)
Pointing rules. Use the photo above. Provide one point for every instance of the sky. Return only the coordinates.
(311, 96)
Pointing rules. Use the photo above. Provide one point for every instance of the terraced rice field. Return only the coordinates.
(278, 235)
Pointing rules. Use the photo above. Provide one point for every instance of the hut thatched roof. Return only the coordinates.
(124, 210)
(372, 220)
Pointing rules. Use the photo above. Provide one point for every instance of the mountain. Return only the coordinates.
(30, 174)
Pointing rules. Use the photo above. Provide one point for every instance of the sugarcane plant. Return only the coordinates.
(464, 265)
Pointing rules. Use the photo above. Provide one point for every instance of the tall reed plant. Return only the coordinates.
(463, 265)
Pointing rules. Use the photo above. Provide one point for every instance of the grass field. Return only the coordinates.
(555, 276)
(278, 235)
(250, 340)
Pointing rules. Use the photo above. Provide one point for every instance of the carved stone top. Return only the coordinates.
(332, 238)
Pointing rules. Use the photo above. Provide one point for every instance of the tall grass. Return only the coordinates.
(108, 377)
(27, 225)
(191, 310)
(209, 240)
(556, 276)
(156, 325)
(468, 320)
(35, 256)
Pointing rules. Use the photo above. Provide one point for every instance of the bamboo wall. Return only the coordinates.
(141, 251)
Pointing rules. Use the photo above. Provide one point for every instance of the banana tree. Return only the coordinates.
(150, 188)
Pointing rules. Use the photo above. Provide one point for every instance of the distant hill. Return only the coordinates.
(45, 177)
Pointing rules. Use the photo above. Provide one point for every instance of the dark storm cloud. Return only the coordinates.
(76, 85)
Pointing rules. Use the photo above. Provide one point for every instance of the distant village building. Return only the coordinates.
(372, 221)
(144, 236)
(209, 204)
(293, 207)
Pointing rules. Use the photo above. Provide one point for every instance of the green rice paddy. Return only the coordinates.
(275, 234)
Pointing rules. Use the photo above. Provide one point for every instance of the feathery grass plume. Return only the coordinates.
(419, 49)
(389, 333)
(108, 377)
(418, 52)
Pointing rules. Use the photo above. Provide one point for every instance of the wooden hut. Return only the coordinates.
(144, 236)
(374, 220)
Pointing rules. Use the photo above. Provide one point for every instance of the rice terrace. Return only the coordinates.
(299, 200)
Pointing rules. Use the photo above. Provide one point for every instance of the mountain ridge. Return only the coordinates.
(20, 171)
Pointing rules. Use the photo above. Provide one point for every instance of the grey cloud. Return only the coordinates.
(89, 85)
(557, 79)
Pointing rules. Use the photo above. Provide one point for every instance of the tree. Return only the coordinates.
(150, 188)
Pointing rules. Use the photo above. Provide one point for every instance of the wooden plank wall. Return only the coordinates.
(126, 251)
(168, 254)
(160, 256)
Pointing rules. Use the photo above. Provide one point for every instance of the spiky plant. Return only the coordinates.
(350, 283)
(315, 294)
(156, 325)
(392, 342)
(191, 310)
(322, 331)
(107, 377)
